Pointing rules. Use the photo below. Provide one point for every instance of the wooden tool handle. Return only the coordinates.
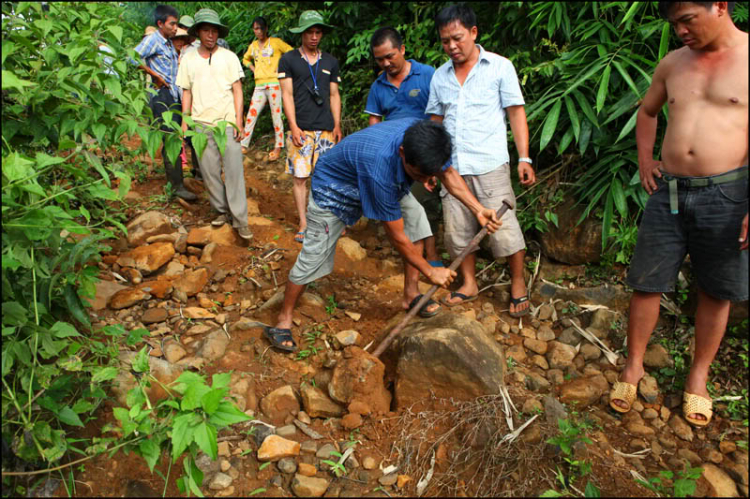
(426, 297)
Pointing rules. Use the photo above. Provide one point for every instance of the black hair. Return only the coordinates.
(666, 7)
(458, 12)
(427, 146)
(386, 33)
(262, 23)
(163, 12)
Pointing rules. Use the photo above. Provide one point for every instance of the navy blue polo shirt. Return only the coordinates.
(364, 174)
(409, 100)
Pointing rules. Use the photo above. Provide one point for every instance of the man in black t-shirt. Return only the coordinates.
(310, 92)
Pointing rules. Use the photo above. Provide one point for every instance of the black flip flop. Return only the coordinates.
(456, 294)
(423, 311)
(517, 302)
(277, 337)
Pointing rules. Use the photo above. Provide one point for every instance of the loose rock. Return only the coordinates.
(127, 298)
(304, 486)
(648, 389)
(560, 355)
(146, 225)
(147, 258)
(287, 465)
(275, 447)
(279, 404)
(721, 483)
(681, 428)
(220, 481)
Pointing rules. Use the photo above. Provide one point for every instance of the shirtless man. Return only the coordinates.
(699, 192)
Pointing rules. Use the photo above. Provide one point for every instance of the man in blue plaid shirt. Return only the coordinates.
(160, 57)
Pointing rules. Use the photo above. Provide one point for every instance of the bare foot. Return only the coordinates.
(518, 290)
(630, 375)
(244, 150)
(274, 155)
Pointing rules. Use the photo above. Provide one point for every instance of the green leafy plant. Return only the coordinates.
(683, 486)
(187, 421)
(332, 305)
(572, 432)
(338, 468)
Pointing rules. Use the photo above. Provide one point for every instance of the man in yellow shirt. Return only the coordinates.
(210, 78)
(265, 52)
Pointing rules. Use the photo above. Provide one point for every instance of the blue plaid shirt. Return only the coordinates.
(363, 174)
(159, 54)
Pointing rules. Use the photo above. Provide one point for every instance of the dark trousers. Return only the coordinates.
(159, 103)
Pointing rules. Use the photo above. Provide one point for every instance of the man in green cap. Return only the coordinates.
(310, 92)
(186, 22)
(210, 78)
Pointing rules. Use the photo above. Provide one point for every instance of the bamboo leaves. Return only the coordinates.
(550, 123)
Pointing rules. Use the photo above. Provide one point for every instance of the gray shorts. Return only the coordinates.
(461, 225)
(707, 227)
(324, 229)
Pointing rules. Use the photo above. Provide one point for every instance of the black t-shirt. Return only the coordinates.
(309, 115)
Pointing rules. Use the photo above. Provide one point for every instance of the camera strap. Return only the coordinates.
(315, 74)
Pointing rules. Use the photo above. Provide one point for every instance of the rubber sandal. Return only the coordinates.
(517, 302)
(627, 392)
(695, 404)
(456, 294)
(423, 312)
(299, 237)
(272, 156)
(277, 337)
(436, 263)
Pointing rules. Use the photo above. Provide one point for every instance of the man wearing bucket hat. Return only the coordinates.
(185, 23)
(310, 92)
(160, 62)
(212, 92)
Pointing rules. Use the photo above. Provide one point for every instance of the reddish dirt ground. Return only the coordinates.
(357, 287)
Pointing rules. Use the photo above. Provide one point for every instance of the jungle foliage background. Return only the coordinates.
(583, 66)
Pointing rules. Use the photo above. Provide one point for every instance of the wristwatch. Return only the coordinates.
(525, 160)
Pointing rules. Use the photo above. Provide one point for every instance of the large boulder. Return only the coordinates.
(146, 225)
(450, 356)
(570, 242)
(147, 258)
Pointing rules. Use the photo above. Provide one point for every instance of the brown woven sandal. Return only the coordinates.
(695, 404)
(626, 392)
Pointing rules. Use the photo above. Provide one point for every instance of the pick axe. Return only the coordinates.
(425, 298)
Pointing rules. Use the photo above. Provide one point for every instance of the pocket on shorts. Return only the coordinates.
(735, 192)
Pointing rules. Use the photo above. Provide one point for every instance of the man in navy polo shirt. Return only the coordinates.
(370, 173)
(402, 91)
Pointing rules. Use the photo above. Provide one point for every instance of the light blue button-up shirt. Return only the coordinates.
(473, 113)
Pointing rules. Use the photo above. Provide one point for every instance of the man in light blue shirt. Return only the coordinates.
(402, 91)
(470, 95)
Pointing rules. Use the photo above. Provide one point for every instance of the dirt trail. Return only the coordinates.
(365, 295)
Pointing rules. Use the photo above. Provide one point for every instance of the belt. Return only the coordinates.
(687, 182)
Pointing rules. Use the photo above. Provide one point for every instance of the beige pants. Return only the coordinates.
(461, 225)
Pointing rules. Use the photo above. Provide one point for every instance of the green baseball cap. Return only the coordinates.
(309, 18)
(186, 21)
(208, 16)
